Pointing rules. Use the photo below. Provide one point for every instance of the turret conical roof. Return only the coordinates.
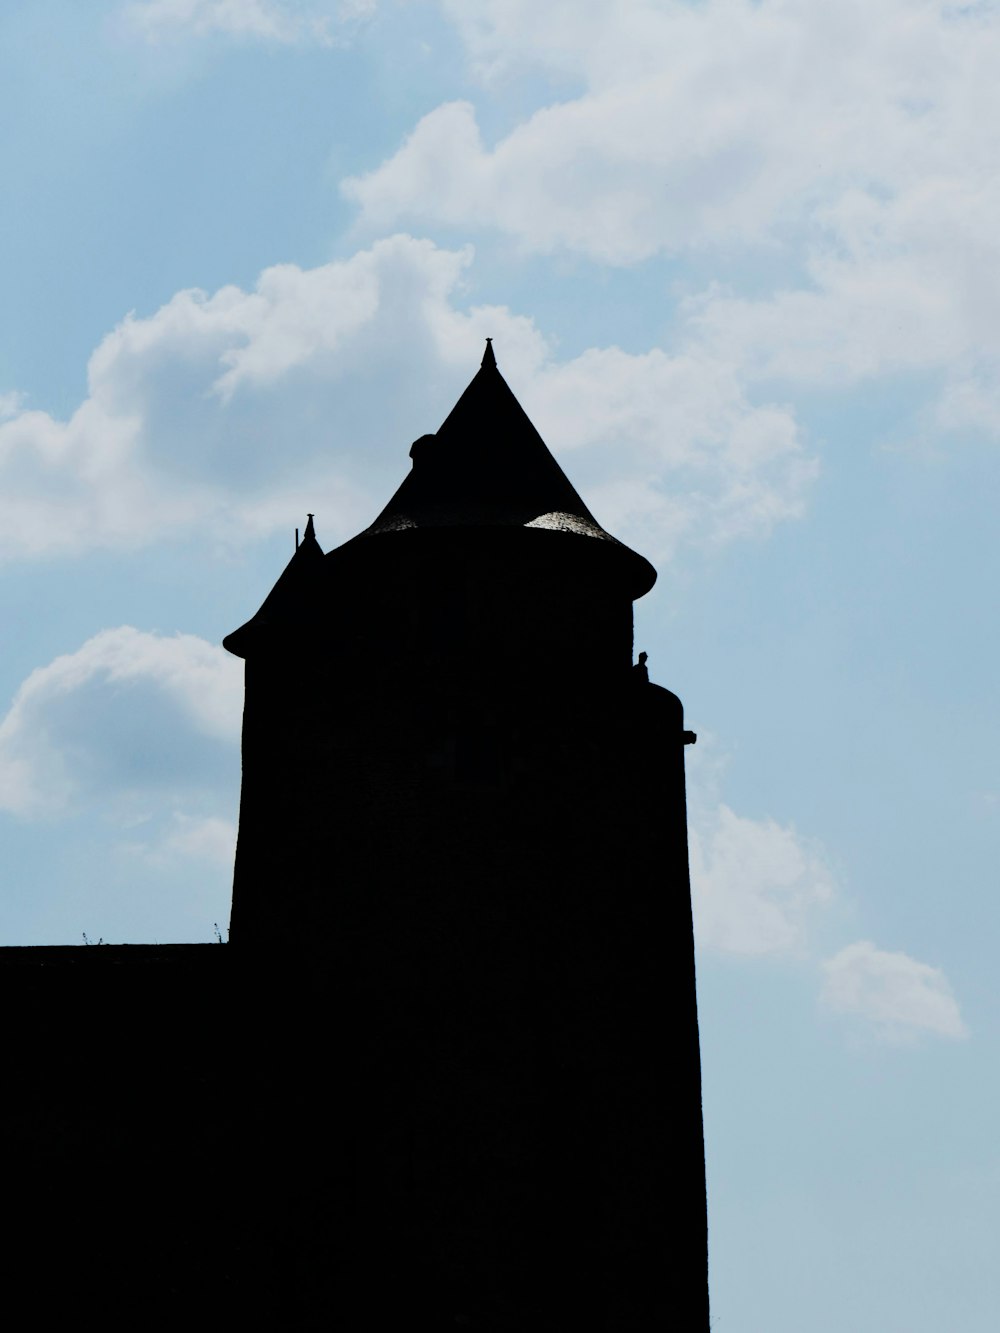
(290, 597)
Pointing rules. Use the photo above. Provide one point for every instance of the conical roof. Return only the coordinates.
(288, 599)
(488, 466)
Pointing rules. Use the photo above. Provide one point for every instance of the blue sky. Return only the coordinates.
(740, 262)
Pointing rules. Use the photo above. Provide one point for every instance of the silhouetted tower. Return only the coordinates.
(463, 830)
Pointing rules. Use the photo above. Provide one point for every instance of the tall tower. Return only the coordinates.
(462, 832)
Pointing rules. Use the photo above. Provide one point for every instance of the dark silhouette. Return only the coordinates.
(452, 1077)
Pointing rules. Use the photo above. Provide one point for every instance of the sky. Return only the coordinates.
(741, 267)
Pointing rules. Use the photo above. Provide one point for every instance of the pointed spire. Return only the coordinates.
(489, 359)
(309, 544)
(309, 536)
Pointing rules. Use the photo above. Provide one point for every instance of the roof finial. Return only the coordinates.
(488, 358)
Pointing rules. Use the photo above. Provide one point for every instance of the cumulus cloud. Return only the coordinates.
(725, 120)
(759, 889)
(235, 409)
(898, 996)
(190, 837)
(852, 144)
(238, 410)
(267, 20)
(756, 884)
(672, 447)
(131, 719)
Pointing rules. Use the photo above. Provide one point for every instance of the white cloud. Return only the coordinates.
(10, 405)
(237, 411)
(266, 20)
(758, 888)
(900, 997)
(756, 885)
(670, 447)
(197, 838)
(129, 719)
(727, 120)
(852, 144)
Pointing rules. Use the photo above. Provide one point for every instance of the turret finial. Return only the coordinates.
(309, 542)
(488, 358)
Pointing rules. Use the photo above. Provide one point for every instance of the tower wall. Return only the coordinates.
(463, 823)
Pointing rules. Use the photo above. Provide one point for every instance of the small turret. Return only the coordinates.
(289, 603)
